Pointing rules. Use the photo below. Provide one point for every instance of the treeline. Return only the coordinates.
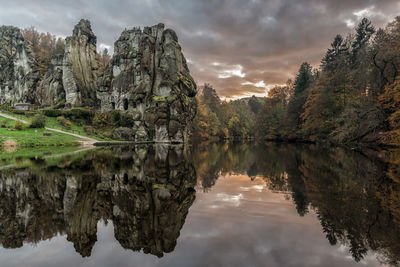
(46, 45)
(222, 120)
(353, 97)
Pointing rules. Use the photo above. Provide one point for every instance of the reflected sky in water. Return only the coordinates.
(248, 210)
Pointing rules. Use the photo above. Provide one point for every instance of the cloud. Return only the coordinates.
(253, 40)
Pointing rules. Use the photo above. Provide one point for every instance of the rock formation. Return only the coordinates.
(80, 66)
(149, 78)
(51, 90)
(18, 69)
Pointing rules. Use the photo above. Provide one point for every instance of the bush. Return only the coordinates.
(101, 119)
(18, 126)
(126, 120)
(30, 113)
(79, 115)
(64, 122)
(18, 112)
(52, 112)
(88, 129)
(38, 121)
(3, 124)
(115, 117)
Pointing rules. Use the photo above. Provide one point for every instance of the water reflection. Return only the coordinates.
(355, 195)
(146, 192)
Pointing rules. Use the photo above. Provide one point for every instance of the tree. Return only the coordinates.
(104, 59)
(210, 97)
(303, 81)
(44, 47)
(364, 31)
(254, 104)
(236, 128)
(339, 49)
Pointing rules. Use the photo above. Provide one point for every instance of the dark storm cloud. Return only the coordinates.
(239, 46)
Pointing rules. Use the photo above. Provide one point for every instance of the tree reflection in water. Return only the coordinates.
(355, 195)
(146, 191)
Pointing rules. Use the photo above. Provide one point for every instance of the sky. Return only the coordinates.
(240, 47)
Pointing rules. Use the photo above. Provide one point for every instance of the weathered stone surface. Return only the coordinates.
(18, 69)
(51, 90)
(80, 66)
(124, 133)
(148, 74)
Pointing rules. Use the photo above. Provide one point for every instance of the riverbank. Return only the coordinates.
(15, 133)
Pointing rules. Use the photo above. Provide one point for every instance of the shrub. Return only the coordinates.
(18, 126)
(52, 112)
(38, 121)
(79, 115)
(3, 124)
(59, 105)
(120, 119)
(115, 117)
(126, 120)
(64, 122)
(30, 113)
(101, 119)
(88, 129)
(18, 112)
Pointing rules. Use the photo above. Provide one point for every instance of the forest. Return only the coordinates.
(353, 97)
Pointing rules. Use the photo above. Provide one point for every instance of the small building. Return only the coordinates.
(22, 106)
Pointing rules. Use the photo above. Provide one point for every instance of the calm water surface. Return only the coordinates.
(205, 205)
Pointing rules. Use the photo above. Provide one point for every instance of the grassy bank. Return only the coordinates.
(28, 137)
(52, 122)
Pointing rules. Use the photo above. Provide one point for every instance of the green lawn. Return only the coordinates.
(52, 122)
(34, 137)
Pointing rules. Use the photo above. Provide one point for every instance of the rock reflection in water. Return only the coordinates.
(146, 191)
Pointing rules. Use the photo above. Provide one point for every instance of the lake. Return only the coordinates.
(229, 204)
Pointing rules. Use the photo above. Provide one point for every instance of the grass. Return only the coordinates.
(52, 122)
(34, 137)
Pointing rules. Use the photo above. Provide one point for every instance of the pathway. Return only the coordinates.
(85, 141)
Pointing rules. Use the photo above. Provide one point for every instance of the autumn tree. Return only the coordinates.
(255, 104)
(302, 83)
(210, 97)
(104, 59)
(44, 46)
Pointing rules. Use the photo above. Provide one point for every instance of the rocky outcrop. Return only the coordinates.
(80, 66)
(18, 69)
(51, 90)
(148, 77)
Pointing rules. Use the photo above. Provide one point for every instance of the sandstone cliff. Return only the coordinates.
(51, 90)
(18, 69)
(149, 78)
(80, 66)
